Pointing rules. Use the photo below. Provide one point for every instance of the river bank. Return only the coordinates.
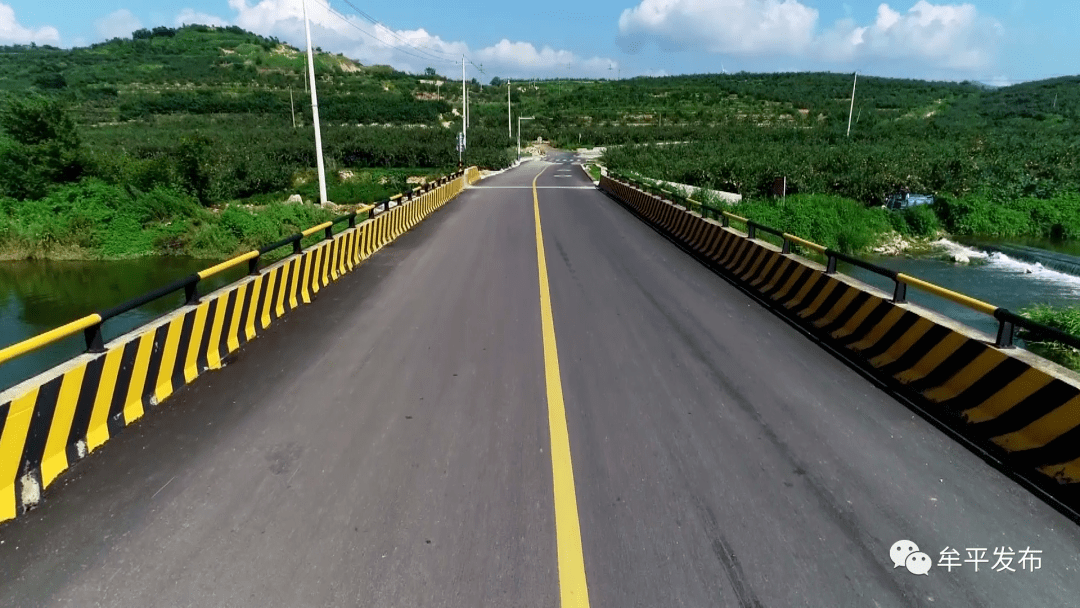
(96, 220)
(157, 224)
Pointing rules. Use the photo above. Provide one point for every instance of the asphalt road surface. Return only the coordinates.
(392, 445)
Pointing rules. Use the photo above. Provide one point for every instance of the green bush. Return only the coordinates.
(41, 147)
(832, 221)
(1063, 319)
(920, 221)
(163, 205)
(103, 220)
(978, 214)
(212, 241)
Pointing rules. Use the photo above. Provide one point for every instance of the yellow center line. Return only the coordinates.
(573, 589)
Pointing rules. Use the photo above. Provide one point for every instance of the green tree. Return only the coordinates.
(51, 80)
(194, 166)
(42, 147)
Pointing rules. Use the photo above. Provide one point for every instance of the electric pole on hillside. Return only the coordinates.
(852, 110)
(521, 118)
(315, 110)
(464, 109)
(509, 114)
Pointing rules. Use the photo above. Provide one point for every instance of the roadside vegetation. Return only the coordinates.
(94, 219)
(182, 141)
(1000, 162)
(214, 118)
(1064, 319)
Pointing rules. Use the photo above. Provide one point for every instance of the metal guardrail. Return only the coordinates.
(92, 325)
(1008, 322)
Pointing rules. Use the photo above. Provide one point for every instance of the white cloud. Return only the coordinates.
(117, 25)
(722, 26)
(407, 50)
(191, 16)
(952, 36)
(12, 32)
(947, 36)
(525, 56)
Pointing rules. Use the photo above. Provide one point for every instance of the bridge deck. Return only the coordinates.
(389, 446)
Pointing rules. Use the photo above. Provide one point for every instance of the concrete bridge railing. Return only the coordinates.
(57, 417)
(1013, 407)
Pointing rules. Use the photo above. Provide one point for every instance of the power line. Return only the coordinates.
(381, 41)
(450, 58)
(425, 52)
(375, 21)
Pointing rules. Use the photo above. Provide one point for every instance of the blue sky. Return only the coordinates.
(994, 41)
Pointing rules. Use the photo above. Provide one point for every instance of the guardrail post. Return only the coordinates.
(191, 292)
(899, 295)
(830, 267)
(253, 266)
(787, 247)
(330, 233)
(352, 220)
(751, 230)
(724, 221)
(1006, 329)
(94, 342)
(296, 246)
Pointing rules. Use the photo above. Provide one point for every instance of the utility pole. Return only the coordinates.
(292, 108)
(464, 106)
(521, 118)
(852, 110)
(315, 110)
(509, 115)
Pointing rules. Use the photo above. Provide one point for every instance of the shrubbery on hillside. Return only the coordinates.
(95, 219)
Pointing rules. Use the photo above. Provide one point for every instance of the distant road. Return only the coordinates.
(392, 445)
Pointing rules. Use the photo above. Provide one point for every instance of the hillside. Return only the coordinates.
(201, 70)
(210, 111)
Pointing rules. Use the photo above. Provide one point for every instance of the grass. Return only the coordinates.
(1064, 319)
(594, 172)
(832, 221)
(1057, 217)
(95, 220)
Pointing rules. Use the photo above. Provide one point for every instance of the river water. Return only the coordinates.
(36, 296)
(998, 273)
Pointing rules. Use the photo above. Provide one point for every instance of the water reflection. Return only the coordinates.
(36, 296)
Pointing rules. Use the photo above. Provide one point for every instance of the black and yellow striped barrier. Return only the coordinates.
(1022, 408)
(59, 416)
